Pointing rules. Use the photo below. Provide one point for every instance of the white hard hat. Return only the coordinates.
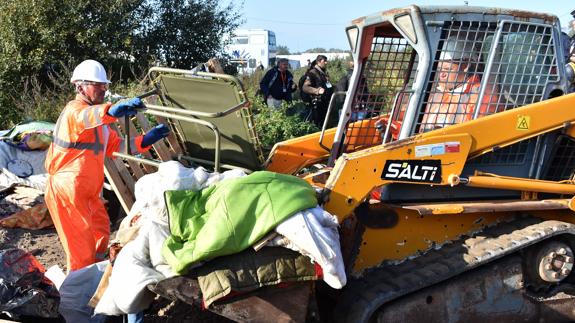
(90, 70)
(455, 49)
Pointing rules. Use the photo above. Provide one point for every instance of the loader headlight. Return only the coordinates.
(352, 36)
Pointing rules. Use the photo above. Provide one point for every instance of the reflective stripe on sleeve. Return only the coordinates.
(91, 116)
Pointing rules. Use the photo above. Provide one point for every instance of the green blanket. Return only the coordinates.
(230, 216)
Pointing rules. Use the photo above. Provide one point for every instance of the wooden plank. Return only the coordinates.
(123, 192)
(135, 167)
(268, 304)
(159, 147)
(123, 174)
(133, 131)
(174, 144)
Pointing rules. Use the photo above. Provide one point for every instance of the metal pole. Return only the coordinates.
(127, 123)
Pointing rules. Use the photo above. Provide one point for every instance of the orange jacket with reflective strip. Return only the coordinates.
(458, 105)
(82, 139)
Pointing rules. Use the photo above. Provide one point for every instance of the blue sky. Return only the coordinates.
(302, 25)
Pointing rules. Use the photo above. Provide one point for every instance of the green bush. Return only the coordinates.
(274, 125)
(288, 121)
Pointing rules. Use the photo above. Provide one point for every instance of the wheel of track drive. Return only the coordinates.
(548, 264)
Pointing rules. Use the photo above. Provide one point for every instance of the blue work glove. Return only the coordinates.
(158, 132)
(126, 107)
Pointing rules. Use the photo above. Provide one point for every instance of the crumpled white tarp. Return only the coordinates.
(140, 262)
(313, 233)
(36, 159)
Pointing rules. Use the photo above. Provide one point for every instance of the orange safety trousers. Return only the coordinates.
(75, 166)
(80, 219)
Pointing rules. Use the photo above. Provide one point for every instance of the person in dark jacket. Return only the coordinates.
(343, 83)
(319, 89)
(277, 84)
(361, 94)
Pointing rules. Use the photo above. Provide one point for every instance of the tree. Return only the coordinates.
(282, 50)
(180, 33)
(316, 50)
(36, 37)
(323, 50)
(42, 37)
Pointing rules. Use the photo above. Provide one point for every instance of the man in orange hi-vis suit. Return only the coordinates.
(75, 164)
(454, 99)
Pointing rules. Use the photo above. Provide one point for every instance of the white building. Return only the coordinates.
(301, 60)
(251, 47)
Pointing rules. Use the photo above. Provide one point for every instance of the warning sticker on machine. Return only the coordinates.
(437, 149)
(523, 122)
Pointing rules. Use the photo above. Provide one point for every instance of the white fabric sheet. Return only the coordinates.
(36, 159)
(313, 233)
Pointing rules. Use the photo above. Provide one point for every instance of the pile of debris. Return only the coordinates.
(220, 235)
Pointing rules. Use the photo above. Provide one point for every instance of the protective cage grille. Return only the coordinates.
(389, 70)
(562, 163)
(480, 69)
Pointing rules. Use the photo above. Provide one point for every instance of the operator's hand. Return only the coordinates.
(320, 91)
(126, 108)
(158, 132)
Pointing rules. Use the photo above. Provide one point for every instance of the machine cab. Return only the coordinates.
(420, 69)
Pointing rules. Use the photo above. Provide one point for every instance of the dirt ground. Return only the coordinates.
(45, 246)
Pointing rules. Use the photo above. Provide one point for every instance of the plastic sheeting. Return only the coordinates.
(23, 288)
(76, 291)
(34, 158)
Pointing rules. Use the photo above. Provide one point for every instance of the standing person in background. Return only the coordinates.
(214, 66)
(362, 93)
(75, 164)
(318, 89)
(211, 66)
(277, 84)
(343, 83)
(260, 66)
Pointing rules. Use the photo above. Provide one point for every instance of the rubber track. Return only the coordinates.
(363, 296)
